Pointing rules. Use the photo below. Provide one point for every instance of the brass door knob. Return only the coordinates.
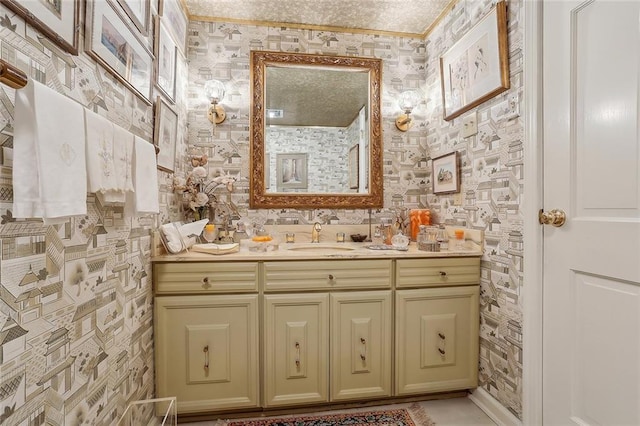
(555, 217)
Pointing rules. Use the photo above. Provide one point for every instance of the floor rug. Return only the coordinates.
(411, 416)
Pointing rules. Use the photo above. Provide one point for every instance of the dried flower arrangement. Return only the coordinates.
(198, 192)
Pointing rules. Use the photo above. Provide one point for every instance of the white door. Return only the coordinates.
(591, 290)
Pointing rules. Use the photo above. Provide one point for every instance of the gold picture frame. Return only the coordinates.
(58, 21)
(476, 67)
(114, 45)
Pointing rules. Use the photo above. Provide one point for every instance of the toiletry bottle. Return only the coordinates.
(388, 234)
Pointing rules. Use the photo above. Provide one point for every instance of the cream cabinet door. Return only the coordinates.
(207, 351)
(296, 345)
(436, 339)
(360, 345)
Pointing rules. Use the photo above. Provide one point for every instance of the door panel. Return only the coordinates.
(296, 348)
(360, 345)
(591, 331)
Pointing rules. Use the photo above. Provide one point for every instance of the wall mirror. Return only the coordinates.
(316, 138)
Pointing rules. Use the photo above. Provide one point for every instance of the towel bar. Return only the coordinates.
(12, 76)
(16, 79)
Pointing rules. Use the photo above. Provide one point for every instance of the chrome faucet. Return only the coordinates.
(315, 232)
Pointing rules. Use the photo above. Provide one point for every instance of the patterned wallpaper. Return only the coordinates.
(492, 175)
(76, 307)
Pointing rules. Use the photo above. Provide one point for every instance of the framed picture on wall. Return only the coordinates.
(176, 21)
(291, 171)
(354, 166)
(446, 174)
(165, 64)
(57, 20)
(111, 42)
(139, 12)
(476, 67)
(165, 134)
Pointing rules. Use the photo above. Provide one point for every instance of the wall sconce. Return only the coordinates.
(408, 100)
(214, 90)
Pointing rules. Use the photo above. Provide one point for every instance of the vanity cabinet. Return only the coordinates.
(437, 325)
(298, 364)
(273, 333)
(206, 334)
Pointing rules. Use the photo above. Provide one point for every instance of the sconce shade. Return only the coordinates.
(407, 101)
(214, 90)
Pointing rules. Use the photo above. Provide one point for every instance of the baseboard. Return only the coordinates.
(492, 408)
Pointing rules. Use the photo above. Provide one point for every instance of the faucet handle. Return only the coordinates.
(315, 232)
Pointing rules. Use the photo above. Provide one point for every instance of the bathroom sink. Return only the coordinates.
(320, 248)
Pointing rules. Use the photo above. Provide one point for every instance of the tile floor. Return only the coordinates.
(443, 412)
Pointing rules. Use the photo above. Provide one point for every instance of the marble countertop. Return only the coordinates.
(317, 251)
(327, 248)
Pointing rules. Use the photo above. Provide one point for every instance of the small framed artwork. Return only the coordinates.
(139, 12)
(165, 51)
(111, 42)
(165, 134)
(176, 21)
(476, 67)
(354, 166)
(57, 20)
(446, 174)
(291, 171)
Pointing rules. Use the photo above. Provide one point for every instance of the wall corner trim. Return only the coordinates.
(492, 408)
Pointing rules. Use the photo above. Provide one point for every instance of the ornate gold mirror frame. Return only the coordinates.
(259, 198)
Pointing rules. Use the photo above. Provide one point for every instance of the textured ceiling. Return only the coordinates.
(413, 17)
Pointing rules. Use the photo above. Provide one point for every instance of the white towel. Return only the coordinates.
(123, 158)
(145, 180)
(49, 166)
(109, 159)
(101, 173)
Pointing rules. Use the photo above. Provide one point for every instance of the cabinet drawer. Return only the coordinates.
(437, 272)
(205, 277)
(327, 274)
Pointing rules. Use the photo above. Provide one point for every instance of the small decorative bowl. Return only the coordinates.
(358, 238)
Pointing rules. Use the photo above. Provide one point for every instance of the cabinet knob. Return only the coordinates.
(443, 274)
(205, 283)
(442, 336)
(330, 277)
(441, 351)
